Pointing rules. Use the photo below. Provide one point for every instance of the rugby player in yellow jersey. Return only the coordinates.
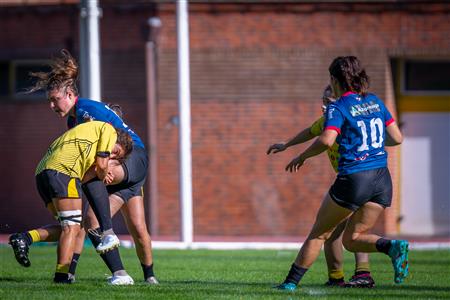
(333, 246)
(78, 155)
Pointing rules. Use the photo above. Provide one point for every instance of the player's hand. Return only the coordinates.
(295, 164)
(109, 178)
(275, 148)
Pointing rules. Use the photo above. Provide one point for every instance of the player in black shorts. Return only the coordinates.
(358, 121)
(129, 176)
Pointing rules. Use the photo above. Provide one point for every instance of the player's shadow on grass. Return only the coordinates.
(21, 279)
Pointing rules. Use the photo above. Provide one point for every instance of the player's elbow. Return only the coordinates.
(394, 140)
(398, 141)
(394, 135)
(326, 141)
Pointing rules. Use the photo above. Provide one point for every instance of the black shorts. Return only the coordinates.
(354, 190)
(53, 184)
(135, 167)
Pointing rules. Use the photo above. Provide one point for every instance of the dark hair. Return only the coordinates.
(116, 108)
(349, 73)
(124, 140)
(63, 75)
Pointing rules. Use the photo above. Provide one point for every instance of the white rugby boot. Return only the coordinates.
(108, 243)
(120, 280)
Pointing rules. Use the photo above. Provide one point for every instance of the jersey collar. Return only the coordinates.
(348, 93)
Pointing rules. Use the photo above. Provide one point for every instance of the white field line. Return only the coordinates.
(263, 245)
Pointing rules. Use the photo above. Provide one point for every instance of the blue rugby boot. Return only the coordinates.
(399, 257)
(286, 286)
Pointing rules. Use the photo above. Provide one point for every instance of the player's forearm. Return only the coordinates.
(316, 148)
(303, 136)
(322, 143)
(101, 167)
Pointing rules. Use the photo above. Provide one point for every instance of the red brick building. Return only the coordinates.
(257, 72)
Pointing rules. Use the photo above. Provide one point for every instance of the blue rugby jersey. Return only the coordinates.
(87, 110)
(360, 122)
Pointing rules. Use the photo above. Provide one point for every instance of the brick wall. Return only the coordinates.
(257, 75)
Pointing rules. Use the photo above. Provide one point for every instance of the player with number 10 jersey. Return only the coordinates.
(360, 123)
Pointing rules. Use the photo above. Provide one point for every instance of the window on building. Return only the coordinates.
(426, 76)
(15, 79)
(421, 85)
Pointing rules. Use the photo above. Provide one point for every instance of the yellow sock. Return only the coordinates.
(62, 268)
(35, 235)
(362, 267)
(336, 274)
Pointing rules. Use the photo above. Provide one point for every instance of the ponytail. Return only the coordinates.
(63, 75)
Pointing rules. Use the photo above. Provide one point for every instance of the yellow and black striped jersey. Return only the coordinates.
(333, 153)
(74, 152)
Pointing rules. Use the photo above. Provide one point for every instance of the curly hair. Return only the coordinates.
(63, 75)
(349, 73)
(116, 108)
(124, 140)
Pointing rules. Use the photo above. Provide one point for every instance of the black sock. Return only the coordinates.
(295, 274)
(336, 279)
(73, 263)
(28, 238)
(97, 196)
(148, 271)
(383, 245)
(111, 258)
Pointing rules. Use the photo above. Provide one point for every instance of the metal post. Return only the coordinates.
(184, 102)
(152, 124)
(90, 49)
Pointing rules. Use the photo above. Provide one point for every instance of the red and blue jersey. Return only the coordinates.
(360, 122)
(89, 110)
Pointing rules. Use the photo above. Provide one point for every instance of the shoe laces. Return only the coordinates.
(94, 232)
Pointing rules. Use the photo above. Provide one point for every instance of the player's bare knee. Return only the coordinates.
(322, 236)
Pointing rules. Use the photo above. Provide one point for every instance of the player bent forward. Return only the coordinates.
(59, 176)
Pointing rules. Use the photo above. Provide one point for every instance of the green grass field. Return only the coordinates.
(203, 274)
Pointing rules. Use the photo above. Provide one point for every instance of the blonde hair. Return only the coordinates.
(63, 75)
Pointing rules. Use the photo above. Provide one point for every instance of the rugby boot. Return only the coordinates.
(335, 282)
(286, 286)
(399, 257)
(20, 247)
(361, 281)
(120, 280)
(151, 280)
(108, 243)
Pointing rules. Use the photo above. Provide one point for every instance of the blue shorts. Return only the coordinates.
(354, 190)
(135, 167)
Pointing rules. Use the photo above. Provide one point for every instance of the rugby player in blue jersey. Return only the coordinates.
(125, 190)
(358, 121)
(334, 253)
